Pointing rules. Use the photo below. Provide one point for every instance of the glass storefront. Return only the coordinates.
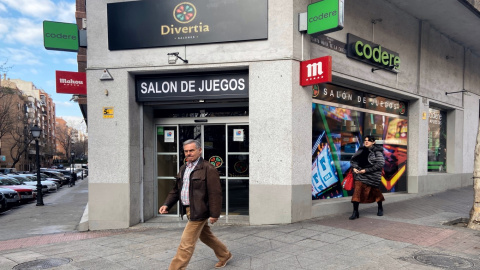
(437, 140)
(341, 118)
(224, 145)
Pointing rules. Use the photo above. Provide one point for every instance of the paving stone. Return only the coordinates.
(252, 250)
(343, 232)
(352, 243)
(23, 256)
(370, 242)
(295, 249)
(99, 264)
(329, 238)
(269, 234)
(289, 238)
(7, 263)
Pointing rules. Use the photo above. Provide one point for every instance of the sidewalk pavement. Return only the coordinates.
(412, 234)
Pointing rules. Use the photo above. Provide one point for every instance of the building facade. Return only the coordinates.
(40, 111)
(160, 72)
(30, 106)
(12, 107)
(48, 116)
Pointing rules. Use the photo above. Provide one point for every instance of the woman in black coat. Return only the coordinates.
(367, 164)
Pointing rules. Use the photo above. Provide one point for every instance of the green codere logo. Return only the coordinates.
(377, 55)
(60, 36)
(325, 16)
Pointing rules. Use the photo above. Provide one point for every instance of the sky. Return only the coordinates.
(21, 47)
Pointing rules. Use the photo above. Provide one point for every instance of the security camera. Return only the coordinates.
(172, 58)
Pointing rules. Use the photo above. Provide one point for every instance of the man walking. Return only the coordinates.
(200, 193)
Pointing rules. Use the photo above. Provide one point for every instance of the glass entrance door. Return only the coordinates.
(224, 145)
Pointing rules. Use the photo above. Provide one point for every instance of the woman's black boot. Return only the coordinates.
(355, 213)
(380, 209)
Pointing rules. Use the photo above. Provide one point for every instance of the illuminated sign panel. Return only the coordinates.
(71, 82)
(193, 86)
(316, 71)
(372, 54)
(148, 24)
(60, 36)
(325, 16)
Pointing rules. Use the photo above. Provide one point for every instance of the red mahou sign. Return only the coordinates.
(71, 82)
(315, 71)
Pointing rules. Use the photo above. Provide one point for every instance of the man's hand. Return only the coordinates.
(213, 220)
(163, 209)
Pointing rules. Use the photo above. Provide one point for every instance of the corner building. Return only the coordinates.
(281, 149)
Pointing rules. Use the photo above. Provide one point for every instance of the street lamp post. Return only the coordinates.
(72, 154)
(36, 131)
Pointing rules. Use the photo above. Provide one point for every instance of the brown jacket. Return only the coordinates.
(205, 192)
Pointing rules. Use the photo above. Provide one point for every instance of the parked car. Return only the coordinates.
(7, 180)
(58, 175)
(46, 177)
(7, 170)
(3, 203)
(26, 193)
(85, 170)
(11, 196)
(67, 173)
(52, 185)
(79, 173)
(24, 180)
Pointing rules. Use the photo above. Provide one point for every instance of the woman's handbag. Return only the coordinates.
(348, 181)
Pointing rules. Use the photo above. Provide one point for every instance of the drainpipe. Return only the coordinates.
(142, 165)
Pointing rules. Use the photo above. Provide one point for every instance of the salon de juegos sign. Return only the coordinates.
(192, 86)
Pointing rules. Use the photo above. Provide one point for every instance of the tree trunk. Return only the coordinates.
(474, 222)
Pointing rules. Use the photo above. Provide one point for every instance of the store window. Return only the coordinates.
(341, 118)
(437, 140)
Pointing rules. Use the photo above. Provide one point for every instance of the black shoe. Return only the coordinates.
(380, 212)
(354, 215)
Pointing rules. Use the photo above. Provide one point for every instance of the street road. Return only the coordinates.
(61, 213)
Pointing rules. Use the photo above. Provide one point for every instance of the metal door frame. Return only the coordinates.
(188, 121)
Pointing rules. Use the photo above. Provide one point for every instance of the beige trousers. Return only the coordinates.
(194, 230)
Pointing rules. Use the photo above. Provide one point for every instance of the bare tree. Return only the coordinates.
(21, 139)
(64, 138)
(78, 149)
(4, 68)
(6, 110)
(13, 121)
(474, 222)
(85, 147)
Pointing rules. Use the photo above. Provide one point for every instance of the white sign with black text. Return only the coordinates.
(200, 86)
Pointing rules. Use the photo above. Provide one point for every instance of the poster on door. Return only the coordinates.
(238, 135)
(169, 136)
(323, 174)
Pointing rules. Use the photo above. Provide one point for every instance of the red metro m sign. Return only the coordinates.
(315, 71)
